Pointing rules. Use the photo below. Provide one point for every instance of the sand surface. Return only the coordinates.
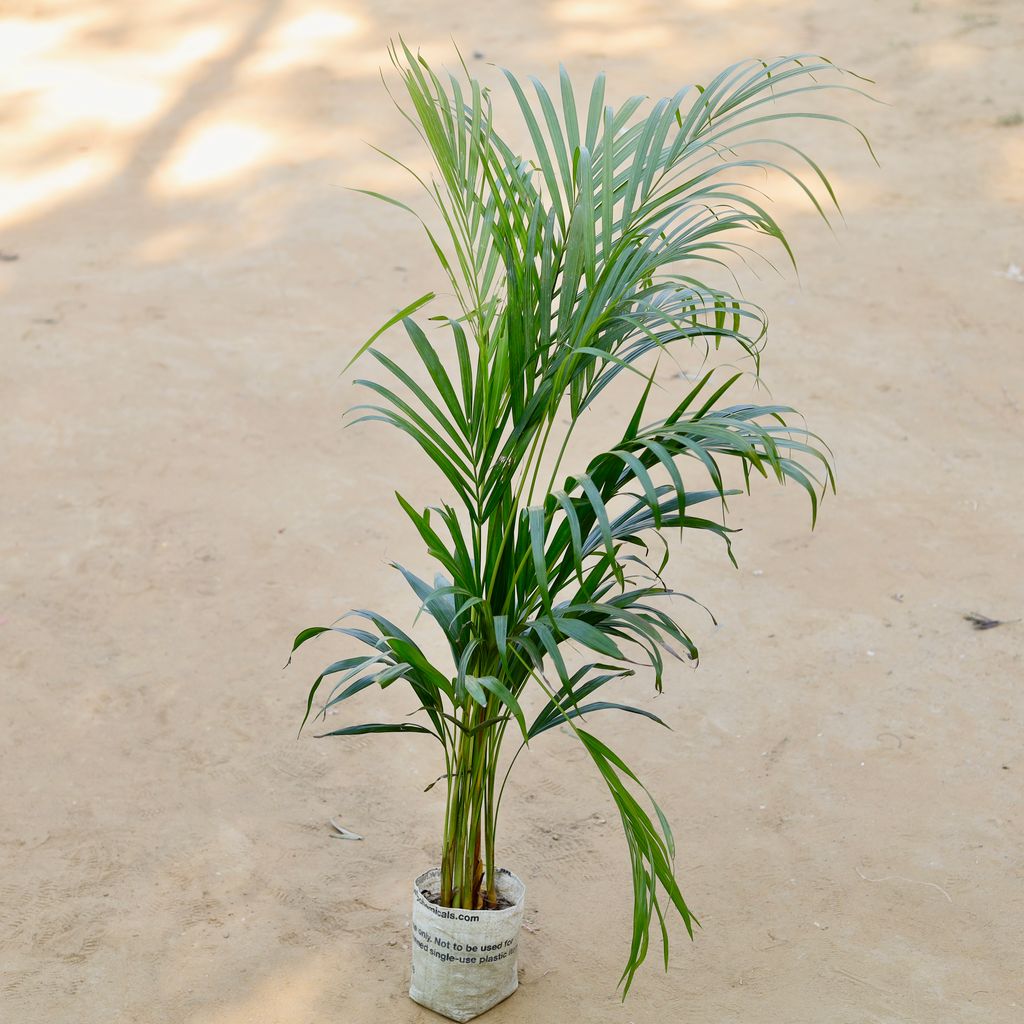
(183, 277)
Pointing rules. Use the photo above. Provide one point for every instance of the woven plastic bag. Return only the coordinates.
(464, 961)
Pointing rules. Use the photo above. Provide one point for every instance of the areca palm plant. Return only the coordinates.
(577, 267)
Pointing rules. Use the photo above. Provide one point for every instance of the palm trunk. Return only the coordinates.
(466, 881)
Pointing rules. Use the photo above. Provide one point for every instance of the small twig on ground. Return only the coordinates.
(900, 878)
(343, 833)
(984, 622)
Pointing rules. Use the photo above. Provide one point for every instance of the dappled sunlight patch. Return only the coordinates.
(589, 10)
(787, 199)
(25, 39)
(948, 54)
(74, 85)
(23, 197)
(610, 29)
(722, 5)
(623, 42)
(606, 27)
(613, 12)
(213, 155)
(309, 38)
(80, 102)
(198, 45)
(79, 95)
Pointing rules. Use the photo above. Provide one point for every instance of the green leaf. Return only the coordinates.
(588, 635)
(347, 665)
(498, 688)
(307, 634)
(566, 714)
(388, 324)
(374, 727)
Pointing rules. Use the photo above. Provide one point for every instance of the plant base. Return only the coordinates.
(464, 961)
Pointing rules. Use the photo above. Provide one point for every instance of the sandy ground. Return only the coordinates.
(183, 277)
